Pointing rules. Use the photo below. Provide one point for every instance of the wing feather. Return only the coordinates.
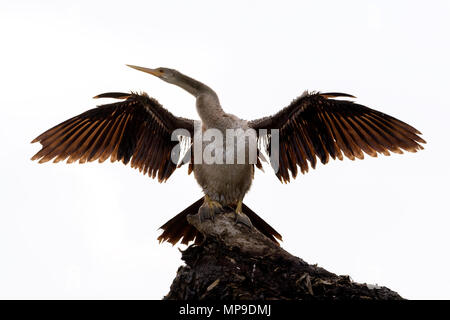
(316, 125)
(137, 129)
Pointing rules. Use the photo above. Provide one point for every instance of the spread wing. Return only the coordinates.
(318, 126)
(137, 129)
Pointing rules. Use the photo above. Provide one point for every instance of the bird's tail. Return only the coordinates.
(179, 228)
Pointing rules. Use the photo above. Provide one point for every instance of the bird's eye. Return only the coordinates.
(161, 70)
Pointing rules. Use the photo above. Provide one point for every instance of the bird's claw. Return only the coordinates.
(205, 213)
(242, 218)
(208, 209)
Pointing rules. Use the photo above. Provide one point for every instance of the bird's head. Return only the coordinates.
(166, 74)
(175, 77)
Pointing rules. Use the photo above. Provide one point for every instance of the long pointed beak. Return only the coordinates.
(154, 72)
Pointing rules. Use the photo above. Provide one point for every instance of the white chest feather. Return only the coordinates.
(225, 173)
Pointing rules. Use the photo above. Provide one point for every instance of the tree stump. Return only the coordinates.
(236, 262)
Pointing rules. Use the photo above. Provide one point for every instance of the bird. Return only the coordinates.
(138, 130)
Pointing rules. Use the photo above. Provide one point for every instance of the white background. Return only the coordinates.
(89, 231)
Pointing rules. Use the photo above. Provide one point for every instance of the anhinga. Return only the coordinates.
(138, 130)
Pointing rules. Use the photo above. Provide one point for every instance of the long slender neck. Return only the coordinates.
(208, 104)
(193, 86)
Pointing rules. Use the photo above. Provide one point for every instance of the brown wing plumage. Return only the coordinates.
(137, 129)
(317, 126)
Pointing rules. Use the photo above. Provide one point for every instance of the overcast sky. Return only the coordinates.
(89, 231)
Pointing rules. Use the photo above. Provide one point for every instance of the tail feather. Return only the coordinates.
(261, 225)
(179, 228)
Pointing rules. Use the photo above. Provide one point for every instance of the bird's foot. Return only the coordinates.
(208, 209)
(240, 217)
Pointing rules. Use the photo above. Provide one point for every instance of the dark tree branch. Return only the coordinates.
(236, 263)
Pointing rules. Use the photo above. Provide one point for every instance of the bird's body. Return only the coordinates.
(226, 183)
(139, 130)
(221, 182)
